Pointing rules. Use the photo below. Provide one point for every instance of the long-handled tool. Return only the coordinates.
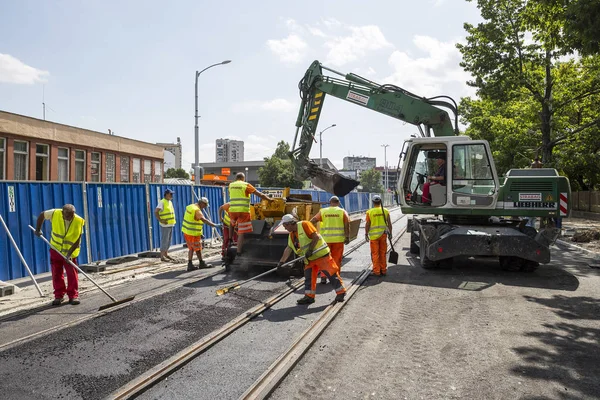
(393, 257)
(224, 290)
(12, 240)
(115, 301)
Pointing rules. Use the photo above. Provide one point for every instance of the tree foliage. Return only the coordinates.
(532, 98)
(177, 173)
(277, 171)
(370, 181)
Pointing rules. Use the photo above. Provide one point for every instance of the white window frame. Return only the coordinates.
(3, 157)
(68, 159)
(157, 171)
(147, 163)
(139, 170)
(98, 165)
(26, 157)
(79, 160)
(110, 176)
(128, 179)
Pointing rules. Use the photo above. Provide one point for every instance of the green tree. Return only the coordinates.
(177, 173)
(277, 171)
(530, 97)
(370, 181)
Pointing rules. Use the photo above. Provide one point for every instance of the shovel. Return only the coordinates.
(224, 290)
(393, 257)
(115, 301)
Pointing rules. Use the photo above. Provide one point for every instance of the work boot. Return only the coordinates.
(306, 300)
(191, 266)
(74, 301)
(203, 264)
(323, 280)
(57, 302)
(340, 297)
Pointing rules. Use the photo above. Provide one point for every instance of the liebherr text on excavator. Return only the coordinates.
(461, 206)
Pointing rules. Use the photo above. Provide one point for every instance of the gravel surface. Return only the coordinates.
(473, 332)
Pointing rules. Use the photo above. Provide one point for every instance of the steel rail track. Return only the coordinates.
(167, 367)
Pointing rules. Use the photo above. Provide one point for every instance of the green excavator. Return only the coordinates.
(448, 182)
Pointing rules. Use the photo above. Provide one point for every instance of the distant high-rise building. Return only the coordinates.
(359, 163)
(227, 150)
(172, 154)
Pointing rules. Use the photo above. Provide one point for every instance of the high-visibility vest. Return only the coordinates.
(378, 218)
(239, 201)
(168, 212)
(304, 242)
(190, 225)
(332, 224)
(63, 239)
(226, 218)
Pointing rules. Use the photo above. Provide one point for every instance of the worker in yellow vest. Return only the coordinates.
(192, 228)
(335, 229)
(67, 228)
(239, 207)
(377, 229)
(165, 213)
(304, 240)
(225, 219)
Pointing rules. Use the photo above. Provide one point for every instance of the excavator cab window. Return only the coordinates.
(471, 170)
(424, 163)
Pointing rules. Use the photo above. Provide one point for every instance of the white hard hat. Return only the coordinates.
(376, 198)
(288, 218)
(204, 200)
(334, 198)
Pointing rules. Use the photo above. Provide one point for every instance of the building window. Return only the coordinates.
(42, 152)
(95, 167)
(80, 165)
(124, 169)
(2, 158)
(157, 171)
(147, 171)
(136, 170)
(63, 164)
(21, 156)
(110, 167)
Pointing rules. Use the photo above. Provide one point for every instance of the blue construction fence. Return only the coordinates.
(119, 217)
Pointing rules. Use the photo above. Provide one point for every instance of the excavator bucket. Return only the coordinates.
(332, 182)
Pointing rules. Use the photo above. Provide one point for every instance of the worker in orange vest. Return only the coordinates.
(335, 229)
(377, 229)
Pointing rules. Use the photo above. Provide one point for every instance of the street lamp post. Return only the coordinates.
(196, 144)
(385, 171)
(321, 145)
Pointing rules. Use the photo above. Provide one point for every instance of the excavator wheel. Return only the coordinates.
(529, 266)
(511, 263)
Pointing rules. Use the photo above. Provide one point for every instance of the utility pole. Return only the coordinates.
(44, 101)
(321, 145)
(385, 171)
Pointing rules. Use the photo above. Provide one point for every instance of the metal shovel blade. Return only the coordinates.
(116, 303)
(332, 182)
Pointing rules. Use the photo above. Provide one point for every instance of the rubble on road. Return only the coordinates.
(582, 232)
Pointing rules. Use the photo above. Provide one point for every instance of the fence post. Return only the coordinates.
(86, 216)
(150, 241)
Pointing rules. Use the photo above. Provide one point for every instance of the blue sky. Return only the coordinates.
(129, 66)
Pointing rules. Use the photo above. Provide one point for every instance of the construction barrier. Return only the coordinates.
(119, 217)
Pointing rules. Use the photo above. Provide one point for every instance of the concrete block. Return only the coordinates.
(6, 289)
(93, 268)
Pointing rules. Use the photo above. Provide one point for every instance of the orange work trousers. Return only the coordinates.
(330, 270)
(378, 251)
(337, 253)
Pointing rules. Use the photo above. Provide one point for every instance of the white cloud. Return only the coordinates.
(277, 105)
(362, 39)
(316, 31)
(437, 72)
(290, 50)
(331, 23)
(13, 70)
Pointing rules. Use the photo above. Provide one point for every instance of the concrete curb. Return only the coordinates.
(575, 247)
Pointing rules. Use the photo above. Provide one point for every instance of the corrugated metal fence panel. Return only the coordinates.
(118, 219)
(214, 194)
(21, 208)
(182, 198)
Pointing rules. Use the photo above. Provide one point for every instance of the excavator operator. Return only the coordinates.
(439, 178)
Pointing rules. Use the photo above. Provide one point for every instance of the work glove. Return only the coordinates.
(279, 264)
(367, 238)
(308, 253)
(347, 240)
(38, 233)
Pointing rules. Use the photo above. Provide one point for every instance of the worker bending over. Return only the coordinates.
(225, 219)
(67, 228)
(335, 229)
(192, 227)
(239, 208)
(377, 229)
(304, 240)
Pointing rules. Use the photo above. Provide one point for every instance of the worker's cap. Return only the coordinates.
(167, 191)
(203, 200)
(288, 218)
(376, 198)
(440, 156)
(334, 198)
